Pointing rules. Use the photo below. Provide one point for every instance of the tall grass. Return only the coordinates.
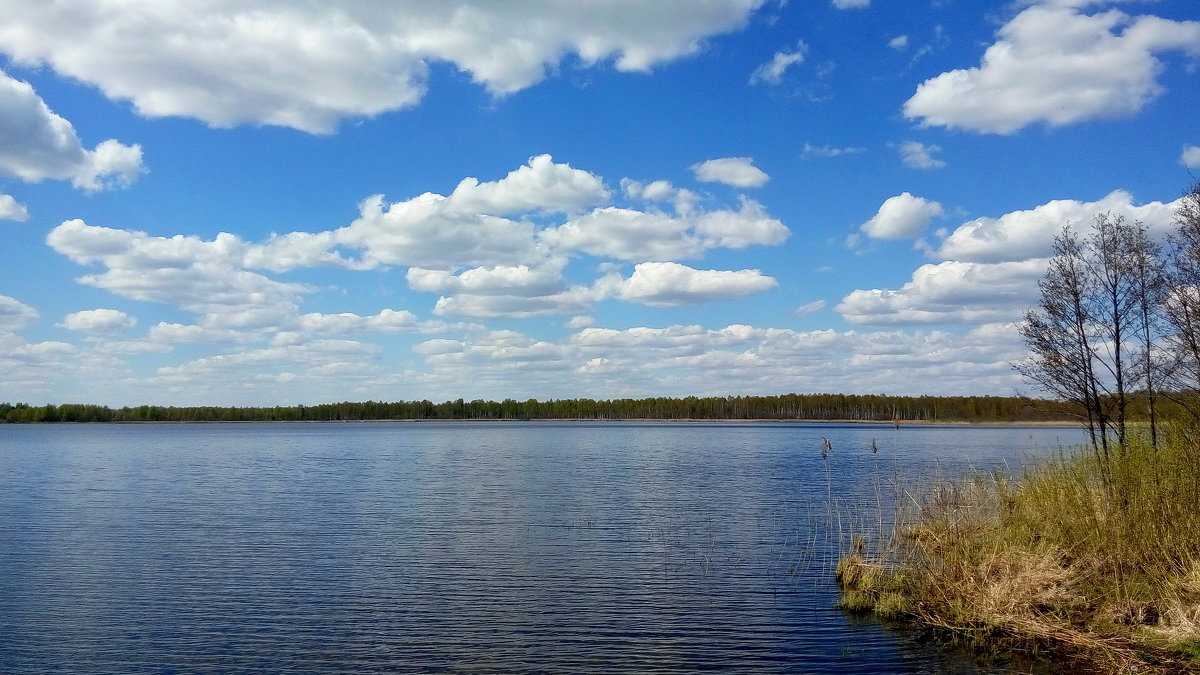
(1099, 560)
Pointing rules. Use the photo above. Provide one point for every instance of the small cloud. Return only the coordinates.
(580, 322)
(851, 4)
(772, 71)
(811, 150)
(917, 155)
(735, 171)
(809, 308)
(1190, 157)
(11, 209)
(899, 43)
(99, 321)
(901, 217)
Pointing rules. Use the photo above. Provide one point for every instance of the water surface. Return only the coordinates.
(456, 547)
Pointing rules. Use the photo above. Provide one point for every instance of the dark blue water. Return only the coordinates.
(462, 547)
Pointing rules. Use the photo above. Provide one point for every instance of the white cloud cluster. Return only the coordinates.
(477, 248)
(735, 171)
(990, 266)
(950, 292)
(1022, 235)
(683, 360)
(11, 209)
(772, 72)
(1054, 64)
(36, 144)
(309, 65)
(901, 217)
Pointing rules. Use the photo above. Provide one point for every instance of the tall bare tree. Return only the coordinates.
(1182, 306)
(1092, 337)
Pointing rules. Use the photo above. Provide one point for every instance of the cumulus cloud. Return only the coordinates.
(667, 284)
(1022, 235)
(735, 171)
(201, 276)
(1054, 64)
(901, 217)
(950, 292)
(99, 321)
(627, 234)
(308, 66)
(917, 155)
(772, 71)
(539, 185)
(15, 315)
(494, 280)
(11, 209)
(36, 144)
(1190, 157)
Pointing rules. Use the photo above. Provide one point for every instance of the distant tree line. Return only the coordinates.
(825, 407)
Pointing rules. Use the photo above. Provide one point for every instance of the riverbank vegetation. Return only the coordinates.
(821, 407)
(1101, 562)
(1098, 551)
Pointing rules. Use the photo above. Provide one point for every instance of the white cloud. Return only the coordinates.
(1056, 65)
(627, 234)
(308, 66)
(851, 4)
(99, 321)
(495, 280)
(950, 292)
(581, 321)
(899, 43)
(1022, 235)
(1190, 157)
(36, 144)
(917, 155)
(772, 71)
(692, 360)
(810, 307)
(748, 226)
(811, 150)
(540, 185)
(15, 315)
(667, 284)
(11, 209)
(201, 276)
(490, 306)
(735, 171)
(901, 217)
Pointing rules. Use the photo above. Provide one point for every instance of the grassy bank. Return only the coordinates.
(1097, 559)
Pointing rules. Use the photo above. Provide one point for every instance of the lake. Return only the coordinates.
(458, 547)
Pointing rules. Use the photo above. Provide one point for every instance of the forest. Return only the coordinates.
(818, 407)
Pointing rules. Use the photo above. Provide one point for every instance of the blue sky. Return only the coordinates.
(255, 202)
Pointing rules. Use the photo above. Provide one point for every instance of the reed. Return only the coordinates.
(1102, 562)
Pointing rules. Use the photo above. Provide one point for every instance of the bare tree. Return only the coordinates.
(1092, 337)
(1182, 306)
(1060, 337)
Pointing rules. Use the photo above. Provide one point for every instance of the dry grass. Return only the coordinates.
(1058, 559)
